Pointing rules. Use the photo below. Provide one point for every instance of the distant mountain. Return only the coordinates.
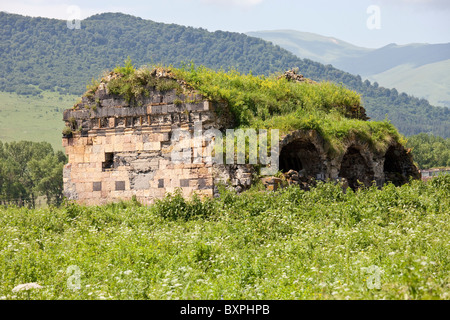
(326, 50)
(39, 54)
(418, 69)
(392, 55)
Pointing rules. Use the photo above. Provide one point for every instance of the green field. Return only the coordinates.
(33, 118)
(291, 244)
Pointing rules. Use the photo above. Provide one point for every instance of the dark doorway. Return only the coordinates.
(393, 167)
(301, 155)
(354, 168)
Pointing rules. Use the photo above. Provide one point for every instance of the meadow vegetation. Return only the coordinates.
(287, 244)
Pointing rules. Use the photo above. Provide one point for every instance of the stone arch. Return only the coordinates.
(355, 167)
(300, 151)
(392, 166)
(398, 165)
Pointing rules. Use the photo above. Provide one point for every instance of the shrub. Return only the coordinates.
(67, 131)
(174, 207)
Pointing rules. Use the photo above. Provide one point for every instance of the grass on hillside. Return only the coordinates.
(290, 244)
(33, 118)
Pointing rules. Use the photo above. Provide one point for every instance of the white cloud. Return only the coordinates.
(59, 9)
(242, 3)
(430, 4)
(48, 9)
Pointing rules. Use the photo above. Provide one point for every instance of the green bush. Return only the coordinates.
(174, 206)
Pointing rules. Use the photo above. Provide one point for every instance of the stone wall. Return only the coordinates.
(117, 151)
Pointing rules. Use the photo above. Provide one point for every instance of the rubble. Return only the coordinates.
(293, 75)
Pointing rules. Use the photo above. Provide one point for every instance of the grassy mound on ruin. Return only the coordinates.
(262, 102)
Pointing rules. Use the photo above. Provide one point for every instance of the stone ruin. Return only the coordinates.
(120, 149)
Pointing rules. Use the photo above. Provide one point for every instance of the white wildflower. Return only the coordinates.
(26, 286)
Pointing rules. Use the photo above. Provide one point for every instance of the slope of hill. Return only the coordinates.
(43, 54)
(311, 46)
(417, 69)
(33, 118)
(430, 81)
(392, 55)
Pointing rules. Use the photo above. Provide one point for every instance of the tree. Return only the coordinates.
(47, 175)
(29, 169)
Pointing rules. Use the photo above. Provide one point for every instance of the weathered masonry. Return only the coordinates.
(119, 149)
(305, 152)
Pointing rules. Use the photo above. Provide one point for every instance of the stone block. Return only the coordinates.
(195, 106)
(271, 183)
(139, 146)
(206, 117)
(152, 146)
(157, 98)
(79, 149)
(175, 108)
(111, 122)
(142, 181)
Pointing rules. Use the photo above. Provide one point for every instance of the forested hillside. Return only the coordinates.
(430, 151)
(43, 54)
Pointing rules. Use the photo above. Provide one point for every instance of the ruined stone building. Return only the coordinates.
(118, 149)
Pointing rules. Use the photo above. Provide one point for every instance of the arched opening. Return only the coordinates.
(393, 171)
(354, 168)
(302, 155)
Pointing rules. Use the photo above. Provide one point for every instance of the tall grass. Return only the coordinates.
(288, 244)
(260, 97)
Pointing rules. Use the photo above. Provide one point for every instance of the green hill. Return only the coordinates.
(39, 54)
(392, 55)
(431, 81)
(33, 118)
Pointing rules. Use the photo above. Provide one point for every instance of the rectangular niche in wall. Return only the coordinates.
(120, 185)
(97, 186)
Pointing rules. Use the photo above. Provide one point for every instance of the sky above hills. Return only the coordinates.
(367, 23)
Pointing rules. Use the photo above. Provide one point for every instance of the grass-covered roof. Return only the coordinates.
(285, 101)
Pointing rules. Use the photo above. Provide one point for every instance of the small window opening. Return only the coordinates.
(109, 161)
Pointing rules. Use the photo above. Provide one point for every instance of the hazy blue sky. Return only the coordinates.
(401, 21)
